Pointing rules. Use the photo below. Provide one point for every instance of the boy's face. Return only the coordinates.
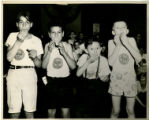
(56, 34)
(77, 45)
(94, 49)
(120, 28)
(24, 24)
(72, 35)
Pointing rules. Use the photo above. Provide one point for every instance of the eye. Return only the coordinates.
(20, 22)
(28, 22)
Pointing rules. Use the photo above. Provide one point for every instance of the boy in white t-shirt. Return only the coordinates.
(122, 54)
(24, 54)
(58, 60)
(95, 70)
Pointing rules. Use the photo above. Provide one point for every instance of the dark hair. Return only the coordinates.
(90, 41)
(25, 14)
(55, 25)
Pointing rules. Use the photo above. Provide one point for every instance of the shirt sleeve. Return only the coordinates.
(39, 47)
(104, 67)
(82, 60)
(11, 40)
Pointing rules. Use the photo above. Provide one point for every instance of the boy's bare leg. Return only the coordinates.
(51, 113)
(14, 115)
(29, 114)
(116, 106)
(65, 113)
(130, 107)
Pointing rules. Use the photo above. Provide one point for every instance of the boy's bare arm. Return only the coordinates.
(104, 78)
(11, 51)
(113, 51)
(71, 62)
(36, 59)
(82, 69)
(46, 58)
(131, 46)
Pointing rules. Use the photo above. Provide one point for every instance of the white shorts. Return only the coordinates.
(21, 88)
(123, 83)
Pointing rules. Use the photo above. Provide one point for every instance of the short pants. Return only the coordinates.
(123, 83)
(21, 88)
(91, 92)
(59, 92)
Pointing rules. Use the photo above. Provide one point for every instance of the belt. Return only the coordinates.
(20, 67)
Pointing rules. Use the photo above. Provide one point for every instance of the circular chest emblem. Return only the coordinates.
(124, 59)
(57, 63)
(19, 55)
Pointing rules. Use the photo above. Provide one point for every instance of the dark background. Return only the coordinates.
(75, 17)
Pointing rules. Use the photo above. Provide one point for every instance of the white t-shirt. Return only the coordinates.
(21, 58)
(92, 68)
(57, 66)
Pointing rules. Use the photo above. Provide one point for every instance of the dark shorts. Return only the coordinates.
(59, 92)
(91, 92)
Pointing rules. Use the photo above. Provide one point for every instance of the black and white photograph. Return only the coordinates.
(74, 60)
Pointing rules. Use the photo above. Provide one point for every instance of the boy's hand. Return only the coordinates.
(61, 49)
(21, 36)
(93, 58)
(105, 78)
(123, 38)
(117, 40)
(32, 54)
(51, 46)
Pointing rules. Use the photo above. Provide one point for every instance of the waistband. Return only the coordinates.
(57, 78)
(19, 67)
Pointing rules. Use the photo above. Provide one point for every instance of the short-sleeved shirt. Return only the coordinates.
(57, 66)
(22, 58)
(92, 68)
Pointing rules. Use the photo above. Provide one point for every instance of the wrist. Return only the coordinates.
(35, 58)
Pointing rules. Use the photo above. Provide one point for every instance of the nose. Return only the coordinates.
(56, 34)
(24, 24)
(95, 51)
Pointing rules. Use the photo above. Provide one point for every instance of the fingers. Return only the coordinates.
(22, 35)
(51, 46)
(32, 53)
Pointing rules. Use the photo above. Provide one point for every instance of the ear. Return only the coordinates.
(49, 34)
(63, 34)
(17, 24)
(100, 49)
(127, 31)
(113, 33)
(31, 25)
